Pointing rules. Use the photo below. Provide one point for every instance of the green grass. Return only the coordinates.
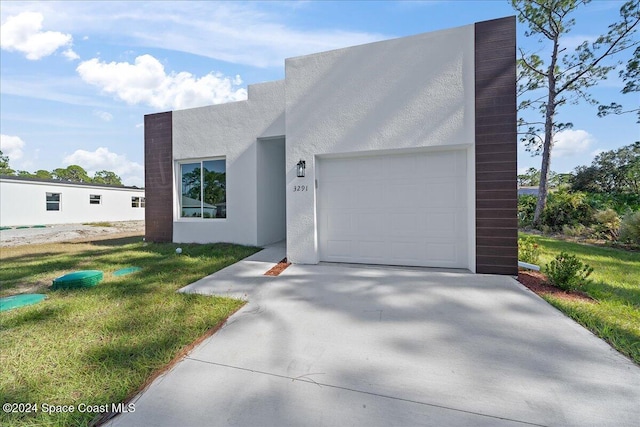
(615, 284)
(99, 345)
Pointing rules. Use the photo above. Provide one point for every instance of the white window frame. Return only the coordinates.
(57, 202)
(93, 200)
(137, 202)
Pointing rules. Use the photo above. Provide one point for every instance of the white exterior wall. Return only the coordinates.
(231, 131)
(271, 191)
(398, 94)
(24, 203)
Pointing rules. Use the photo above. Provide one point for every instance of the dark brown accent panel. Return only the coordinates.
(158, 140)
(496, 147)
(486, 176)
(489, 204)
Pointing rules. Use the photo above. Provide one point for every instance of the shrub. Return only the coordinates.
(630, 228)
(564, 208)
(607, 224)
(546, 230)
(528, 250)
(526, 209)
(567, 272)
(577, 230)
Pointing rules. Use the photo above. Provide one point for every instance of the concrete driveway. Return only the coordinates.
(340, 345)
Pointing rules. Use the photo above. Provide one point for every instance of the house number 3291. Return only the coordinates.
(297, 188)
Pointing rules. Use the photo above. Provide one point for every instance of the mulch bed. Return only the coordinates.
(278, 268)
(538, 283)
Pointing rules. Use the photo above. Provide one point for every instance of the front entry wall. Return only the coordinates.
(394, 209)
(405, 94)
(233, 132)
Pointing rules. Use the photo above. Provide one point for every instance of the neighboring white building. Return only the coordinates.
(408, 147)
(30, 201)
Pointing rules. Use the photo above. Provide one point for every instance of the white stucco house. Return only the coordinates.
(31, 201)
(399, 152)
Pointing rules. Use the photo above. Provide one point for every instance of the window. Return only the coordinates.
(95, 199)
(137, 202)
(204, 189)
(53, 201)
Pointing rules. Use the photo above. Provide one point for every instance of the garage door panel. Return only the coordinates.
(371, 249)
(336, 169)
(339, 248)
(369, 167)
(442, 253)
(441, 194)
(403, 224)
(407, 252)
(368, 221)
(441, 224)
(403, 195)
(394, 209)
(400, 167)
(338, 224)
(438, 165)
(337, 193)
(368, 195)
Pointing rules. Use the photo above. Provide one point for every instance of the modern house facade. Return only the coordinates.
(31, 201)
(399, 152)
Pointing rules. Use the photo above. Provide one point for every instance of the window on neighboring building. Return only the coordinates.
(53, 201)
(204, 189)
(137, 202)
(95, 199)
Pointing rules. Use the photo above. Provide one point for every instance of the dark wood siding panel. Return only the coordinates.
(496, 147)
(158, 139)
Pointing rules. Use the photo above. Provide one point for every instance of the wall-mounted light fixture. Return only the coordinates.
(300, 167)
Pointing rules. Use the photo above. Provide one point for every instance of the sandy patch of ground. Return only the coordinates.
(68, 232)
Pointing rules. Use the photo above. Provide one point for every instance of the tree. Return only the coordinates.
(41, 173)
(530, 178)
(4, 165)
(631, 76)
(24, 174)
(106, 177)
(615, 171)
(73, 173)
(567, 76)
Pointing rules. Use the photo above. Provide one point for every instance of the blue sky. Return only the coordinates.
(77, 78)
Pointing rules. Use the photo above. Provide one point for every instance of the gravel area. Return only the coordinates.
(66, 232)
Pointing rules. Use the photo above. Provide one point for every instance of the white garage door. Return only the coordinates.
(408, 209)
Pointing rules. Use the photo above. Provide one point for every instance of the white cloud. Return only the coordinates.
(145, 81)
(139, 125)
(11, 146)
(132, 173)
(70, 55)
(23, 33)
(259, 34)
(103, 115)
(572, 142)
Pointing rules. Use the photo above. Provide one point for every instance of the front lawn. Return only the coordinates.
(97, 346)
(615, 284)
